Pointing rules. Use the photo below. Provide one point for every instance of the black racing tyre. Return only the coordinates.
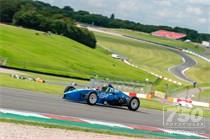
(69, 88)
(92, 98)
(133, 104)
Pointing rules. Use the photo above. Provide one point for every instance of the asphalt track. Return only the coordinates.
(45, 103)
(177, 70)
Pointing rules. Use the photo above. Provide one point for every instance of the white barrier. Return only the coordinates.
(202, 104)
(195, 54)
(154, 74)
(141, 96)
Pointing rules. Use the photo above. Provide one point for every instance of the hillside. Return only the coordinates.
(199, 73)
(146, 56)
(160, 40)
(38, 51)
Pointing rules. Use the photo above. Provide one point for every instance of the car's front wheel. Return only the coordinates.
(92, 98)
(133, 104)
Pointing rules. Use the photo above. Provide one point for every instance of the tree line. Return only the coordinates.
(44, 17)
(112, 22)
(62, 21)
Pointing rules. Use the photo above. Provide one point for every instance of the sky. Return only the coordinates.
(194, 14)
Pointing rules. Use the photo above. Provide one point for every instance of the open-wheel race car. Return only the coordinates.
(107, 95)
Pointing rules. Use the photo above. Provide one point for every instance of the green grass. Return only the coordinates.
(146, 56)
(165, 41)
(204, 95)
(152, 104)
(54, 78)
(7, 81)
(200, 72)
(22, 48)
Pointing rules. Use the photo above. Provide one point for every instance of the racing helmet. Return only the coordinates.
(110, 85)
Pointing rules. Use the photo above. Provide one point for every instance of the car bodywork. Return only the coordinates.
(105, 96)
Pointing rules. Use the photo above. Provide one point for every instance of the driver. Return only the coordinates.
(104, 88)
(110, 85)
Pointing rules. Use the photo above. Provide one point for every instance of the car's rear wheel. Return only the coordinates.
(134, 104)
(92, 98)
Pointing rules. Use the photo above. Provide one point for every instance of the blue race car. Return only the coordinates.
(107, 95)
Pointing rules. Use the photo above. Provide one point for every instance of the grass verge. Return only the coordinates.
(204, 95)
(200, 72)
(7, 81)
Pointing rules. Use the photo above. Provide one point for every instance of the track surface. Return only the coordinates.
(177, 70)
(40, 102)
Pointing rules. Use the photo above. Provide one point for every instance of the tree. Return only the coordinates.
(8, 9)
(58, 26)
(29, 20)
(43, 16)
(68, 9)
(34, 15)
(112, 16)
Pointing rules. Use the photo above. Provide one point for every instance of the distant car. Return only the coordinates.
(107, 95)
(115, 56)
(184, 102)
